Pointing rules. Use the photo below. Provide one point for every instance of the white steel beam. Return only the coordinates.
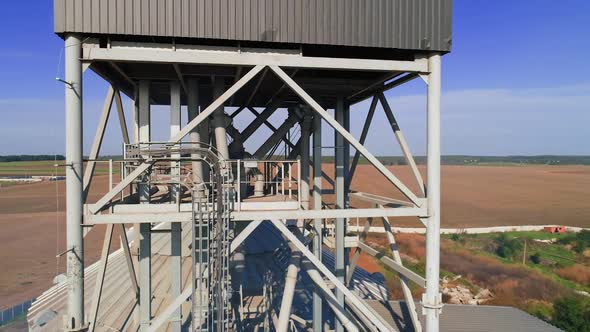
(74, 319)
(180, 77)
(364, 134)
(359, 303)
(347, 136)
(121, 113)
(216, 104)
(129, 259)
(411, 275)
(402, 142)
(259, 120)
(432, 299)
(104, 259)
(161, 53)
(95, 208)
(270, 126)
(183, 132)
(97, 143)
(404, 282)
(149, 215)
(323, 290)
(381, 200)
(244, 234)
(357, 253)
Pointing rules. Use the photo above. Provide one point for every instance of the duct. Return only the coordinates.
(289, 290)
(220, 120)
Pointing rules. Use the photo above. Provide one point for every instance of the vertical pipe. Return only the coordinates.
(289, 290)
(220, 119)
(74, 174)
(175, 227)
(305, 134)
(145, 264)
(317, 205)
(340, 203)
(346, 125)
(111, 178)
(432, 298)
(195, 134)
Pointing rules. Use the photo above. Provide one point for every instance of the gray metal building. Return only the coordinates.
(417, 25)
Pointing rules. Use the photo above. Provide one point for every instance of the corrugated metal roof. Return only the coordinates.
(395, 24)
(467, 318)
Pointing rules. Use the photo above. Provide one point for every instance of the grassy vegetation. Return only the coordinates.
(550, 259)
(556, 269)
(572, 314)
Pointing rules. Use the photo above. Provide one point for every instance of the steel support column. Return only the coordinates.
(340, 225)
(145, 250)
(304, 148)
(431, 300)
(175, 227)
(74, 192)
(346, 125)
(317, 205)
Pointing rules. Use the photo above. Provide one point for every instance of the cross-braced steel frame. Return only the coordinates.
(352, 312)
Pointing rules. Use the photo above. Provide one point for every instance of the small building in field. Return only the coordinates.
(555, 229)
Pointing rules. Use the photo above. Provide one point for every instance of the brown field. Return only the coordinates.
(32, 234)
(479, 196)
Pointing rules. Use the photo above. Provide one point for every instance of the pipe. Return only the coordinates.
(220, 120)
(74, 190)
(432, 297)
(195, 134)
(305, 134)
(289, 290)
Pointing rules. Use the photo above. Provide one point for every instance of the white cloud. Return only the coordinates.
(547, 120)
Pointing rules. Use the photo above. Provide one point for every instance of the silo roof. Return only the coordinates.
(418, 25)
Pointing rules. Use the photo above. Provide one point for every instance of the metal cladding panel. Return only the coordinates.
(397, 24)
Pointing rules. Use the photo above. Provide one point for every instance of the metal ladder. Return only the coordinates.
(211, 252)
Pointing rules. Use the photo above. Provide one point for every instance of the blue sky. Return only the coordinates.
(516, 82)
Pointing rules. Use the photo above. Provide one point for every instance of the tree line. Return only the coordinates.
(36, 157)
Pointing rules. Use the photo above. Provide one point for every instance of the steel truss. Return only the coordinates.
(352, 312)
